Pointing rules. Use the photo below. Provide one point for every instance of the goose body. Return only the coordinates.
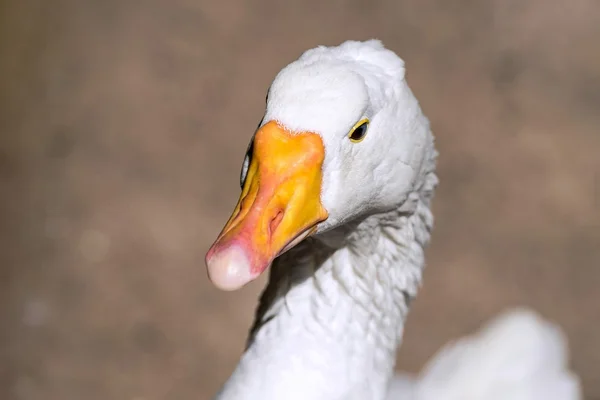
(517, 356)
(336, 192)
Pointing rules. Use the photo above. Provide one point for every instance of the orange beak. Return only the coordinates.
(279, 206)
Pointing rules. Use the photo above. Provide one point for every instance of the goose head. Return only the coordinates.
(342, 138)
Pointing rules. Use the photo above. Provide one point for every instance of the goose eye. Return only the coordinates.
(359, 131)
(248, 156)
(245, 165)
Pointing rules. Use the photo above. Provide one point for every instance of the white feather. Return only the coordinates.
(517, 356)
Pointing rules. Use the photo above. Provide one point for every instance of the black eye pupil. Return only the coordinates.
(359, 132)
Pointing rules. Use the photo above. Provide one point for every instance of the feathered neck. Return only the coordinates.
(331, 318)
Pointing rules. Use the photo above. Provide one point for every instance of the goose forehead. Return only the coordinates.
(322, 97)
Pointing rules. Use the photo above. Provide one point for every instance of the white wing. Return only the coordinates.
(517, 356)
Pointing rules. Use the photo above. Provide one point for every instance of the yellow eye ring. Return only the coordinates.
(359, 131)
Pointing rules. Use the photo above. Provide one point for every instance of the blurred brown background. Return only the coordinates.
(123, 125)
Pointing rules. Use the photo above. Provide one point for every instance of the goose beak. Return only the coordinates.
(280, 205)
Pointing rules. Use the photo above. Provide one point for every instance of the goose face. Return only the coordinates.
(332, 147)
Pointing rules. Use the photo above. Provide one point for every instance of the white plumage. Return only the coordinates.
(331, 318)
(517, 356)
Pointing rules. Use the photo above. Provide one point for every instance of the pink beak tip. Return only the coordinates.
(229, 268)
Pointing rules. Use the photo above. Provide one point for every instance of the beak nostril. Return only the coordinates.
(275, 222)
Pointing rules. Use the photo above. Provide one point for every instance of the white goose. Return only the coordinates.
(336, 192)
